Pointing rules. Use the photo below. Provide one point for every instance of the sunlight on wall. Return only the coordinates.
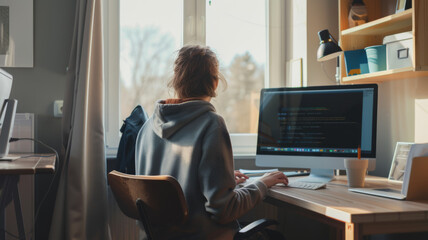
(421, 120)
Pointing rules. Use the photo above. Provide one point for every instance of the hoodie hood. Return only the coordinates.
(169, 118)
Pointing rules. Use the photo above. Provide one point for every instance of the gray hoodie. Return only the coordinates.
(190, 142)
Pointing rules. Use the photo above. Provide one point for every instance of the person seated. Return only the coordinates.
(187, 139)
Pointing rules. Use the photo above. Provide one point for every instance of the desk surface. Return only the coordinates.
(29, 164)
(337, 202)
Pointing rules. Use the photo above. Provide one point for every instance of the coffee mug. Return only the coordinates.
(356, 171)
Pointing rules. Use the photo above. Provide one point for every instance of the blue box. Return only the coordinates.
(356, 62)
(376, 57)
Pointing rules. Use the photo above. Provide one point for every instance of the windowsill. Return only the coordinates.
(244, 156)
(243, 146)
(112, 153)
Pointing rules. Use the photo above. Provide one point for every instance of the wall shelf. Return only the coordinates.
(379, 26)
(392, 23)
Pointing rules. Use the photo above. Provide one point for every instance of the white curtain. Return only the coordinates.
(81, 204)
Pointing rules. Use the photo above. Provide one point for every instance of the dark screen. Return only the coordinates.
(316, 121)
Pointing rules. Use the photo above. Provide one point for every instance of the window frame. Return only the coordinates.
(243, 144)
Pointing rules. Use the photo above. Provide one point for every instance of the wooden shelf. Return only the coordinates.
(386, 25)
(383, 21)
(382, 76)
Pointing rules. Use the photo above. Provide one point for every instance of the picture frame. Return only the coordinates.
(399, 161)
(403, 5)
(16, 33)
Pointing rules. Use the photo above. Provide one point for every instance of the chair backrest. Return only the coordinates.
(162, 196)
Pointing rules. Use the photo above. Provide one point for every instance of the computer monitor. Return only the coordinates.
(7, 112)
(317, 127)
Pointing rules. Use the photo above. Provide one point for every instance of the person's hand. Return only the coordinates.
(240, 177)
(273, 178)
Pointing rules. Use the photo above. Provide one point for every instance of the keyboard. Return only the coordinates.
(306, 185)
(292, 184)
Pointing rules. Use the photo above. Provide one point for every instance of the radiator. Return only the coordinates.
(121, 226)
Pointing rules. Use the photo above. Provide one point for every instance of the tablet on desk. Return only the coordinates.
(381, 192)
(414, 179)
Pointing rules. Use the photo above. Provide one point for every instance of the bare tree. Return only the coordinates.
(245, 79)
(146, 64)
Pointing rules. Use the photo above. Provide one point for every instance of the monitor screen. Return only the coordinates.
(7, 112)
(316, 127)
(5, 88)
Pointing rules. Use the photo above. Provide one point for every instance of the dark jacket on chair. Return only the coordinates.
(126, 152)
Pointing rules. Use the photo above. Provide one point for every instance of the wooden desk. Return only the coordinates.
(9, 178)
(354, 215)
(29, 164)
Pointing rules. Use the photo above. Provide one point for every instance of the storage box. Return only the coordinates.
(376, 58)
(356, 62)
(399, 50)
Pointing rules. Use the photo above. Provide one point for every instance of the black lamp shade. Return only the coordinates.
(328, 49)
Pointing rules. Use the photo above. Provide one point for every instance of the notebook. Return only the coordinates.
(415, 177)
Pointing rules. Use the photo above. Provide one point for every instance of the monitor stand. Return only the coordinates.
(319, 176)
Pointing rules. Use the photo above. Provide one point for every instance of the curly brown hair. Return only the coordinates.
(196, 72)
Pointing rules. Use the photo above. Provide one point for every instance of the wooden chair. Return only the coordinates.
(159, 203)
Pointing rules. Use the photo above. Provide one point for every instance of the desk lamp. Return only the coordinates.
(328, 49)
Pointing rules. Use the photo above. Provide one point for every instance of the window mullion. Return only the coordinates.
(189, 21)
(111, 73)
(201, 22)
(194, 24)
(275, 74)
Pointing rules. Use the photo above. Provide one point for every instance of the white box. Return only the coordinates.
(399, 50)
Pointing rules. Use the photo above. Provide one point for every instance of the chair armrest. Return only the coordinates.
(254, 227)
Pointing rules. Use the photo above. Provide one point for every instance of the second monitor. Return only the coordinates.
(317, 127)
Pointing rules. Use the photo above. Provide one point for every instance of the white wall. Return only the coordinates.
(304, 18)
(322, 14)
(399, 120)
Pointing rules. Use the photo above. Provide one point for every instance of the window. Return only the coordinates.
(150, 33)
(237, 32)
(141, 43)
